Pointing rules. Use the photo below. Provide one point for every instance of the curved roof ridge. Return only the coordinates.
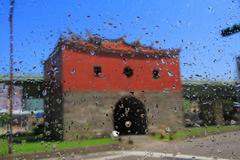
(97, 43)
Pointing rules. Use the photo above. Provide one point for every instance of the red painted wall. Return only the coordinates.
(77, 73)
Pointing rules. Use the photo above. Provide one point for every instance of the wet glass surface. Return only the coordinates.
(119, 79)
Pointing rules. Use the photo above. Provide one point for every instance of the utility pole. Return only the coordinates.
(10, 87)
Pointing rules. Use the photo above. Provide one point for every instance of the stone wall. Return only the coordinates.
(53, 109)
(90, 113)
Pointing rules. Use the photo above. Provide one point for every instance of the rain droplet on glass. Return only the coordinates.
(170, 74)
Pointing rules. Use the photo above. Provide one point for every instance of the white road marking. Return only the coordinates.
(121, 154)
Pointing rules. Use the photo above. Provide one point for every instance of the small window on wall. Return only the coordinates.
(155, 74)
(128, 72)
(97, 71)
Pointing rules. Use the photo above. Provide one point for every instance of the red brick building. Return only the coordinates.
(96, 86)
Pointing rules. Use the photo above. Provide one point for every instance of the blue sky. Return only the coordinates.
(192, 25)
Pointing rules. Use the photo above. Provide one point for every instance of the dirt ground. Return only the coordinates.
(3, 130)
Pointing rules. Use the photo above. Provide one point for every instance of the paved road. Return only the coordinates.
(222, 146)
(226, 145)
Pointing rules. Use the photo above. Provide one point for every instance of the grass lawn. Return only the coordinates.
(196, 132)
(33, 147)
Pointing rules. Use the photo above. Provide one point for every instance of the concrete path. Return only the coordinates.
(134, 155)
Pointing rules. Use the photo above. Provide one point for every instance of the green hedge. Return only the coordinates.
(4, 118)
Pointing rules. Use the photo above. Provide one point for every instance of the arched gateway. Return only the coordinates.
(129, 116)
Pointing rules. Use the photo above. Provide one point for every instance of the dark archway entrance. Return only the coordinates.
(130, 116)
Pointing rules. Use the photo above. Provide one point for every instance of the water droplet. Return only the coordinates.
(163, 62)
(92, 53)
(170, 74)
(44, 92)
(115, 133)
(142, 115)
(174, 86)
(73, 71)
(128, 124)
(58, 100)
(168, 129)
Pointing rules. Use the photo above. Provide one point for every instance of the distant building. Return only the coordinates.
(238, 78)
(238, 67)
(96, 86)
(27, 94)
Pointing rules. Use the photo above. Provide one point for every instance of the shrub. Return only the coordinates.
(4, 118)
(38, 129)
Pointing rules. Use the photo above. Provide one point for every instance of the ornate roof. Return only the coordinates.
(113, 47)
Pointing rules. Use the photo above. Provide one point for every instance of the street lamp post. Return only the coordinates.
(230, 30)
